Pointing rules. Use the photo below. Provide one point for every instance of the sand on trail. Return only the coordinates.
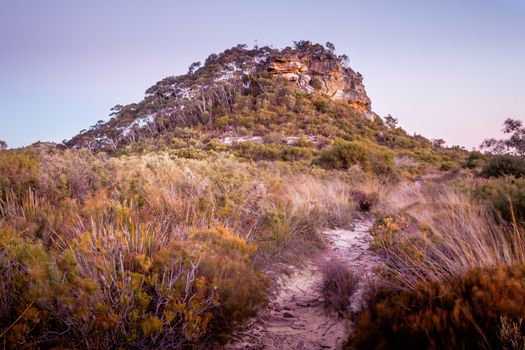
(296, 317)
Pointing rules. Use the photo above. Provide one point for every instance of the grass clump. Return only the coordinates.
(440, 234)
(452, 271)
(339, 282)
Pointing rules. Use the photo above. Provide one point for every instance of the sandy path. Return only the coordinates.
(296, 317)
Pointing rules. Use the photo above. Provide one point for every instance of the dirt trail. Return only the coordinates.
(296, 317)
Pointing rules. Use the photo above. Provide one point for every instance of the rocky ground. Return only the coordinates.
(296, 317)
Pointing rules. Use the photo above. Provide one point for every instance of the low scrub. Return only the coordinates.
(127, 284)
(271, 151)
(475, 160)
(506, 196)
(148, 251)
(369, 156)
(464, 312)
(502, 165)
(19, 171)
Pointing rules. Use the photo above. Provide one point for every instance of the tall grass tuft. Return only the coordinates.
(339, 282)
(444, 234)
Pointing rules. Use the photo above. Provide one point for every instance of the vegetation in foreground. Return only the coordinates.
(148, 251)
(454, 262)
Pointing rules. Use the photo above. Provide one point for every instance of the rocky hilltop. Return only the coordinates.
(322, 72)
(216, 88)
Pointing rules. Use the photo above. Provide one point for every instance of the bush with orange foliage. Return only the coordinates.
(461, 313)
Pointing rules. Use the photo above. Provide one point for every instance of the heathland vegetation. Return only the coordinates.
(152, 230)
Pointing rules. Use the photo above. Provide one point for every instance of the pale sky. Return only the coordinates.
(446, 69)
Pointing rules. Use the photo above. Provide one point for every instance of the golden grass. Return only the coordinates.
(438, 233)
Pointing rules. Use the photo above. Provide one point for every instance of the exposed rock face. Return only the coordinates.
(323, 73)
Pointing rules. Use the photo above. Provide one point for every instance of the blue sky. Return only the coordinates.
(445, 69)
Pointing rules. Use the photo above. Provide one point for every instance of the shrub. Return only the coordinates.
(225, 264)
(511, 334)
(316, 84)
(127, 284)
(217, 146)
(447, 166)
(19, 171)
(108, 289)
(475, 159)
(189, 153)
(365, 201)
(505, 196)
(502, 165)
(460, 313)
(371, 157)
(272, 152)
(342, 156)
(72, 174)
(274, 137)
(338, 285)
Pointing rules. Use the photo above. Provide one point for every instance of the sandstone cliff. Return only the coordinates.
(323, 73)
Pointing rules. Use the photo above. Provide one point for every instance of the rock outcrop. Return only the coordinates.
(323, 73)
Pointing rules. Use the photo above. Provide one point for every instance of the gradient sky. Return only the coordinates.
(446, 69)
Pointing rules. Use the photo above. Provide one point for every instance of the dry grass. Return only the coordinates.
(281, 211)
(511, 335)
(441, 233)
(149, 251)
(338, 285)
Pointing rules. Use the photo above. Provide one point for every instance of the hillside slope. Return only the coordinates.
(231, 82)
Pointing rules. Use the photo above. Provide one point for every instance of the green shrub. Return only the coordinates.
(447, 166)
(217, 146)
(129, 285)
(189, 153)
(371, 157)
(505, 196)
(475, 159)
(226, 266)
(19, 170)
(342, 156)
(463, 313)
(502, 165)
(261, 151)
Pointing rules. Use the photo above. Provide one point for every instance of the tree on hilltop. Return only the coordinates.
(391, 122)
(515, 144)
(330, 47)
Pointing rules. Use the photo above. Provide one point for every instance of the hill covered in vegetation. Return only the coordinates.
(296, 104)
(241, 91)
